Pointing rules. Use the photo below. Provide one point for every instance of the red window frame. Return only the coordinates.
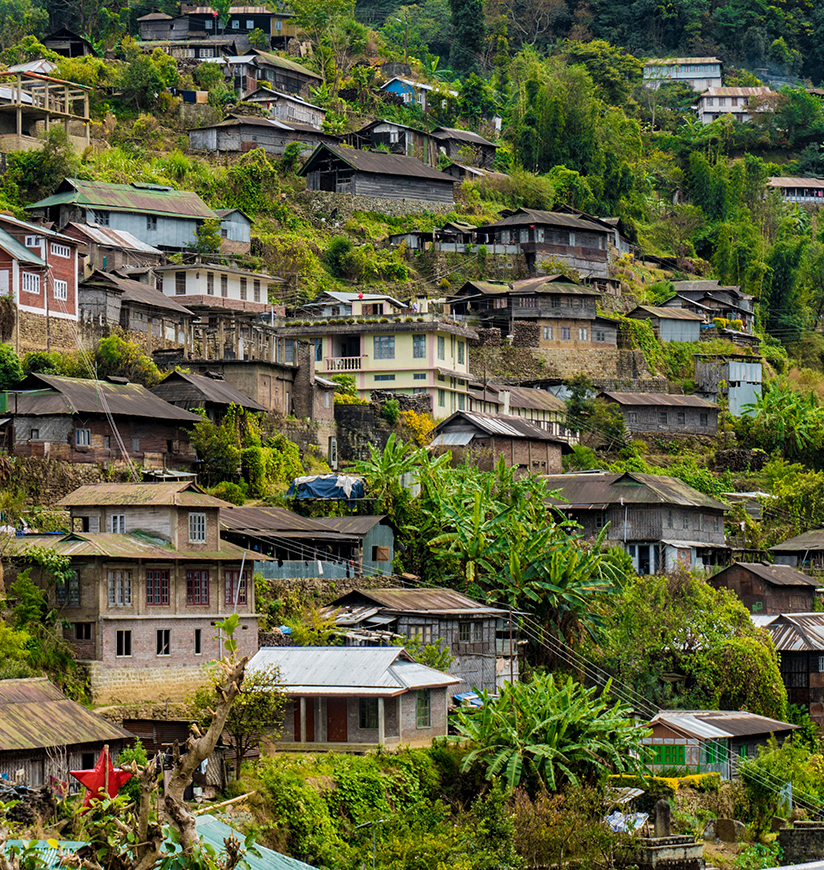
(157, 588)
(197, 587)
(230, 581)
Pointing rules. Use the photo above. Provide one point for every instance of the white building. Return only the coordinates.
(799, 189)
(207, 284)
(741, 103)
(699, 73)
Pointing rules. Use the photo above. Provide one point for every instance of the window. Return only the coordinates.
(256, 290)
(461, 401)
(157, 587)
(682, 418)
(82, 631)
(235, 25)
(135, 445)
(422, 632)
(243, 289)
(69, 592)
(180, 283)
(207, 52)
(384, 346)
(197, 528)
(83, 437)
(210, 283)
(101, 218)
(234, 592)
(124, 643)
(703, 420)
(461, 353)
(419, 347)
(600, 519)
(120, 589)
(198, 641)
(197, 587)
(33, 241)
(423, 708)
(583, 333)
(662, 418)
(151, 223)
(441, 347)
(380, 554)
(318, 343)
(278, 25)
(117, 524)
(464, 632)
(555, 302)
(565, 336)
(289, 351)
(250, 25)
(31, 282)
(34, 435)
(61, 290)
(547, 333)
(163, 644)
(669, 755)
(441, 398)
(224, 286)
(367, 713)
(384, 377)
(600, 335)
(632, 416)
(419, 376)
(669, 520)
(477, 631)
(685, 521)
(61, 250)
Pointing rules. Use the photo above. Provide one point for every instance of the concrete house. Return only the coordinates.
(73, 419)
(465, 146)
(661, 522)
(210, 392)
(699, 73)
(108, 250)
(670, 324)
(488, 437)
(476, 634)
(218, 286)
(154, 213)
(766, 588)
(663, 413)
(737, 378)
(741, 103)
(375, 174)
(710, 741)
(357, 698)
(38, 722)
(287, 108)
(241, 133)
(153, 575)
(804, 551)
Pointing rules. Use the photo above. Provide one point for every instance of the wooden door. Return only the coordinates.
(310, 720)
(336, 724)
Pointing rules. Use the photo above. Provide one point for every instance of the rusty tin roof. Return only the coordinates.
(212, 389)
(377, 163)
(811, 540)
(183, 493)
(776, 575)
(798, 632)
(665, 313)
(435, 601)
(267, 520)
(660, 399)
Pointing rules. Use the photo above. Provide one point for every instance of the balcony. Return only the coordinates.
(344, 363)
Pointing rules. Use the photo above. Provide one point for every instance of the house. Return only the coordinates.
(804, 551)
(46, 735)
(465, 146)
(235, 231)
(108, 250)
(334, 303)
(799, 639)
(376, 540)
(31, 103)
(805, 190)
(375, 174)
(741, 103)
(241, 133)
(67, 43)
(218, 286)
(663, 413)
(356, 698)
(197, 48)
(670, 324)
(153, 577)
(107, 299)
(486, 438)
(38, 271)
(737, 378)
(699, 73)
(711, 300)
(766, 588)
(278, 27)
(398, 138)
(284, 74)
(98, 422)
(40, 65)
(546, 238)
(476, 635)
(710, 741)
(404, 353)
(287, 108)
(661, 522)
(564, 313)
(411, 91)
(154, 213)
(537, 406)
(210, 392)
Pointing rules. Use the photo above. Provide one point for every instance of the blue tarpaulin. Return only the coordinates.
(341, 487)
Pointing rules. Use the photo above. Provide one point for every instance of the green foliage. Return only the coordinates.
(234, 493)
(313, 629)
(549, 732)
(119, 357)
(137, 754)
(433, 655)
(391, 411)
(34, 174)
(11, 371)
(208, 233)
(345, 385)
(146, 76)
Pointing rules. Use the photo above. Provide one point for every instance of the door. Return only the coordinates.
(336, 726)
(310, 720)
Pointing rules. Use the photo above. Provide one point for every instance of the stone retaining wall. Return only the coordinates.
(132, 685)
(608, 369)
(802, 843)
(321, 203)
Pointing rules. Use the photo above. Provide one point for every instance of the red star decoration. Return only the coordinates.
(96, 779)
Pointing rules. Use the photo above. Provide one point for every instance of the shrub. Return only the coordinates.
(391, 411)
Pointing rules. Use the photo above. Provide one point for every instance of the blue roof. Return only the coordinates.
(214, 832)
(47, 853)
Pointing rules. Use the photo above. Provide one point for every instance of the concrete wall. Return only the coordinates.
(130, 684)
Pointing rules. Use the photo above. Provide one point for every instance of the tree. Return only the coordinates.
(468, 44)
(119, 357)
(256, 712)
(549, 732)
(36, 174)
(614, 71)
(208, 236)
(11, 371)
(21, 22)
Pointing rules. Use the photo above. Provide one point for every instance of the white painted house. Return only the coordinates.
(218, 285)
(741, 103)
(699, 73)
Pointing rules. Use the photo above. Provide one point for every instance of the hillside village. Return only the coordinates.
(411, 421)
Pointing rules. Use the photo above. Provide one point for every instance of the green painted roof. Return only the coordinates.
(18, 250)
(214, 832)
(135, 197)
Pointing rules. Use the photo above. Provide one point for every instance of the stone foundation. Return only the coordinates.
(608, 368)
(802, 843)
(669, 853)
(322, 203)
(36, 332)
(133, 685)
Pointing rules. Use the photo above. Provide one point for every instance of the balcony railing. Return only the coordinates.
(344, 363)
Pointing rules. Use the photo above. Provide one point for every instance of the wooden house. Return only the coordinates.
(287, 108)
(210, 392)
(799, 638)
(663, 413)
(766, 588)
(537, 406)
(356, 698)
(735, 377)
(465, 146)
(398, 138)
(375, 174)
(804, 551)
(670, 324)
(284, 74)
(235, 231)
(67, 43)
(108, 250)
(237, 134)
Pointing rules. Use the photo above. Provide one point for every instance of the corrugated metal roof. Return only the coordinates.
(340, 670)
(422, 600)
(777, 575)
(40, 65)
(272, 123)
(798, 632)
(351, 525)
(460, 136)
(689, 724)
(722, 723)
(505, 426)
(452, 439)
(377, 163)
(660, 399)
(583, 490)
(527, 216)
(34, 714)
(212, 389)
(270, 519)
(261, 94)
(669, 61)
(183, 493)
(18, 251)
(796, 182)
(156, 16)
(812, 540)
(695, 286)
(114, 238)
(79, 396)
(737, 92)
(134, 197)
(667, 313)
(340, 296)
(285, 63)
(136, 291)
(215, 833)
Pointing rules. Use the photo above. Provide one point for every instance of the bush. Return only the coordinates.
(234, 493)
(391, 411)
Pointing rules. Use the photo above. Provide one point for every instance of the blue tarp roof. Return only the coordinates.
(331, 486)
